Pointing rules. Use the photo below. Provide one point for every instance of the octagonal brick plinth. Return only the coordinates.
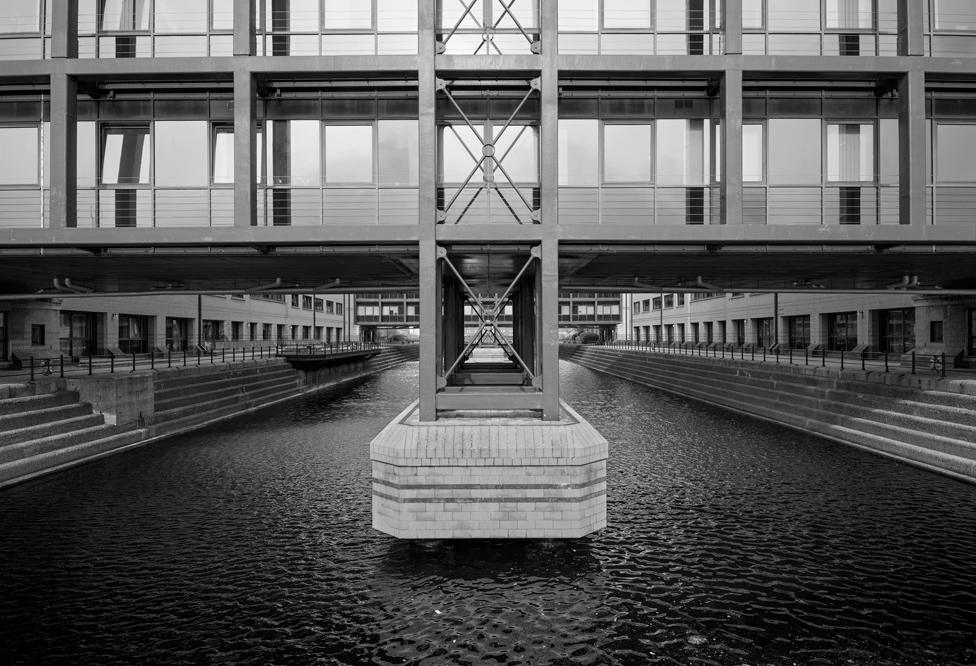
(489, 475)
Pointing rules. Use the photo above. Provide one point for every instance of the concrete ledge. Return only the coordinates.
(489, 476)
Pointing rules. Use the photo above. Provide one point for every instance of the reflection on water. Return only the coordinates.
(731, 541)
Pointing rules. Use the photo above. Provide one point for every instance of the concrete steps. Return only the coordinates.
(48, 431)
(934, 429)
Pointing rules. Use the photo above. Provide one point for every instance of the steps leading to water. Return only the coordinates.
(930, 428)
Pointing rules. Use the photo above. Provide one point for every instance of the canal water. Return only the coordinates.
(731, 541)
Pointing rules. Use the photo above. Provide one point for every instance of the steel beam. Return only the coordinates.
(547, 282)
(245, 150)
(64, 28)
(731, 142)
(732, 17)
(244, 27)
(911, 28)
(912, 151)
(64, 153)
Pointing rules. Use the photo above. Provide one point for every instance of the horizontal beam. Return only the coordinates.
(483, 400)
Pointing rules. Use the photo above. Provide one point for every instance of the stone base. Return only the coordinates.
(489, 475)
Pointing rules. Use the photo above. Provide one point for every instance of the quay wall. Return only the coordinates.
(926, 421)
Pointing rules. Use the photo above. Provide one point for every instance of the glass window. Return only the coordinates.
(22, 142)
(955, 15)
(87, 149)
(20, 16)
(794, 151)
(297, 16)
(452, 11)
(348, 15)
(579, 15)
(517, 154)
(955, 147)
(752, 153)
(125, 156)
(396, 15)
(180, 16)
(627, 153)
(295, 152)
(792, 16)
(752, 14)
(223, 15)
(579, 159)
(181, 153)
(349, 154)
(681, 16)
(682, 152)
(398, 152)
(223, 155)
(627, 14)
(851, 14)
(460, 152)
(124, 15)
(888, 143)
(850, 152)
(523, 10)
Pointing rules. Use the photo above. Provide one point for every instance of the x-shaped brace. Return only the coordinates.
(488, 32)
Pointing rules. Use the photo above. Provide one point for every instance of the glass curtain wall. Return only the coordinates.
(488, 27)
(640, 27)
(336, 27)
(24, 181)
(951, 167)
(25, 29)
(951, 28)
(637, 161)
(820, 158)
(156, 161)
(155, 28)
(820, 27)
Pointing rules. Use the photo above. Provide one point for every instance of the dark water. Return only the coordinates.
(731, 541)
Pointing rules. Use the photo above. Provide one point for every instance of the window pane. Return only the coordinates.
(752, 14)
(627, 153)
(349, 154)
(794, 151)
(223, 15)
(181, 153)
(396, 15)
(579, 158)
(297, 16)
(182, 16)
(398, 154)
(20, 16)
(453, 10)
(348, 15)
(223, 156)
(20, 145)
(888, 143)
(955, 147)
(752, 153)
(517, 152)
(579, 15)
(850, 152)
(682, 152)
(626, 14)
(125, 15)
(792, 16)
(524, 11)
(86, 154)
(955, 15)
(849, 14)
(125, 156)
(680, 16)
(295, 152)
(458, 145)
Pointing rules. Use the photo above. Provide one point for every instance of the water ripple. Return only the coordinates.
(731, 542)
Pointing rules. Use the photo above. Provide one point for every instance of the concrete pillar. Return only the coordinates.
(731, 141)
(430, 271)
(911, 145)
(245, 149)
(64, 29)
(244, 27)
(63, 144)
(911, 28)
(732, 15)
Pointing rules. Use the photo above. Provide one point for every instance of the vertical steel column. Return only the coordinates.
(912, 189)
(731, 168)
(911, 28)
(732, 17)
(64, 151)
(64, 29)
(245, 150)
(547, 305)
(244, 27)
(430, 272)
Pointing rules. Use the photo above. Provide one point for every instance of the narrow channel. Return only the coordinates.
(730, 541)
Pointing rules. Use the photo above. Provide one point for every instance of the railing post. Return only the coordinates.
(133, 361)
(32, 368)
(913, 361)
(806, 356)
(777, 355)
(841, 359)
(152, 360)
(823, 358)
(198, 357)
(764, 354)
(863, 354)
(943, 366)
(169, 358)
(62, 365)
(89, 363)
(223, 355)
(211, 357)
(791, 355)
(111, 363)
(886, 361)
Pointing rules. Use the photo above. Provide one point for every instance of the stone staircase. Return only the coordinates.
(930, 428)
(189, 397)
(43, 432)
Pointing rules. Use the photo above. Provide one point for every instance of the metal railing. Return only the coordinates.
(324, 348)
(863, 360)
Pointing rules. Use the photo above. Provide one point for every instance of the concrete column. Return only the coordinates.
(731, 166)
(64, 29)
(245, 149)
(732, 16)
(911, 28)
(911, 146)
(548, 295)
(244, 27)
(430, 270)
(63, 144)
